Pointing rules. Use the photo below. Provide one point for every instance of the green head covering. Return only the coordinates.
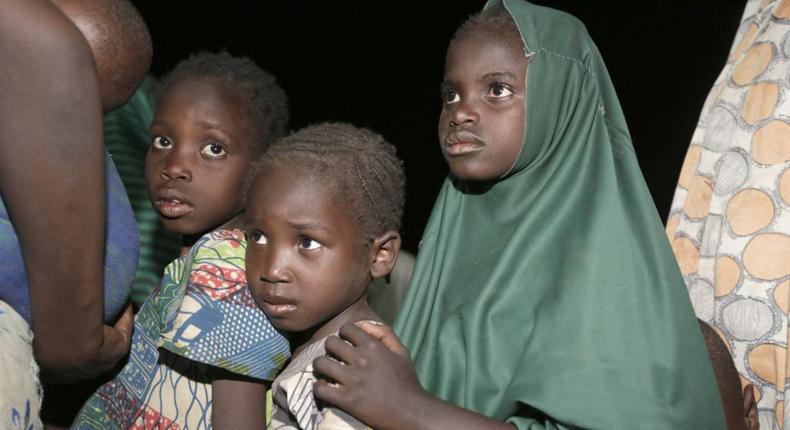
(553, 297)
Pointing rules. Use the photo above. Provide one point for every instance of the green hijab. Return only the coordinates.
(552, 299)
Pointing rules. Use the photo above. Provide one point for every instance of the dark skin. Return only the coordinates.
(200, 153)
(374, 359)
(481, 133)
(238, 403)
(201, 150)
(300, 233)
(51, 113)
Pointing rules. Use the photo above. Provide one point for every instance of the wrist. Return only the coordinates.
(421, 413)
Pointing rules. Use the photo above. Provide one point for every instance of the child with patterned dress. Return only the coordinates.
(322, 218)
(201, 349)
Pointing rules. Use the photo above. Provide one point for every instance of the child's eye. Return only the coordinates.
(214, 150)
(161, 142)
(308, 243)
(259, 238)
(450, 96)
(499, 89)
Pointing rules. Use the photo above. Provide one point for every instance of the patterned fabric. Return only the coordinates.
(126, 138)
(730, 219)
(294, 406)
(20, 390)
(201, 318)
(120, 256)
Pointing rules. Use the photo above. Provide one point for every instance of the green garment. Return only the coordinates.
(552, 300)
(127, 140)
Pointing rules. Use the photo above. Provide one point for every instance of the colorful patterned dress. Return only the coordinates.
(202, 317)
(730, 218)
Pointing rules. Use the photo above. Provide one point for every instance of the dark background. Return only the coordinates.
(379, 64)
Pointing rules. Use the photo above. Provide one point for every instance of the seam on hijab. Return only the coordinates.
(571, 59)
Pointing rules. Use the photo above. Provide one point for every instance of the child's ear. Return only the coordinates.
(383, 253)
(750, 408)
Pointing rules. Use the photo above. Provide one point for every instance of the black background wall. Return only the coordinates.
(378, 64)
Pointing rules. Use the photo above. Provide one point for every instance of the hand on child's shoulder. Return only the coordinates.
(367, 373)
(384, 334)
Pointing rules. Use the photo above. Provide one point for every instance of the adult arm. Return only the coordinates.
(376, 383)
(238, 403)
(52, 182)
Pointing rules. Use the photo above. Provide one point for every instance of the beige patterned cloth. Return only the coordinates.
(20, 390)
(295, 408)
(730, 218)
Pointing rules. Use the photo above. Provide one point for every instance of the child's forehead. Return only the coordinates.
(319, 196)
(211, 97)
(487, 38)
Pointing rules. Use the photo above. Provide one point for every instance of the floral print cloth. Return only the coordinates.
(201, 318)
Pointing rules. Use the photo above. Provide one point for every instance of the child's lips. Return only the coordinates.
(173, 208)
(172, 203)
(273, 310)
(274, 306)
(462, 142)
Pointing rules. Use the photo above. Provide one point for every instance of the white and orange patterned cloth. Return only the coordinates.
(730, 218)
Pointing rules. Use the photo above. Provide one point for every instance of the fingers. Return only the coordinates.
(323, 390)
(352, 333)
(125, 324)
(332, 370)
(385, 335)
(340, 349)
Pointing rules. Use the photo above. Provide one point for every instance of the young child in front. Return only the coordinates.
(201, 349)
(545, 294)
(323, 214)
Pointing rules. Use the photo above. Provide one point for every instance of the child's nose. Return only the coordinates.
(464, 114)
(176, 167)
(274, 270)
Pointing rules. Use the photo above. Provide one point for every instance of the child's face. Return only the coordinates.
(305, 263)
(481, 127)
(200, 153)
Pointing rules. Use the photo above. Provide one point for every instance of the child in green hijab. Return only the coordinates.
(545, 295)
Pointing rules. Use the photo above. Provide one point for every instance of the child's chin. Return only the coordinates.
(289, 326)
(179, 226)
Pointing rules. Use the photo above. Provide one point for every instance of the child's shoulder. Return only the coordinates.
(225, 242)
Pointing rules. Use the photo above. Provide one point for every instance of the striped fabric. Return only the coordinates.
(126, 138)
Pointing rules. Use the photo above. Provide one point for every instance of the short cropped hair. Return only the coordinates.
(266, 102)
(362, 166)
(494, 22)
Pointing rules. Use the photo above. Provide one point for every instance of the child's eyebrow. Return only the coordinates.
(447, 86)
(498, 76)
(209, 125)
(309, 226)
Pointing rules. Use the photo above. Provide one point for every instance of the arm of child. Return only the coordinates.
(52, 182)
(375, 359)
(238, 403)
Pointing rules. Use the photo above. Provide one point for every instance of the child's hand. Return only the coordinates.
(117, 341)
(374, 380)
